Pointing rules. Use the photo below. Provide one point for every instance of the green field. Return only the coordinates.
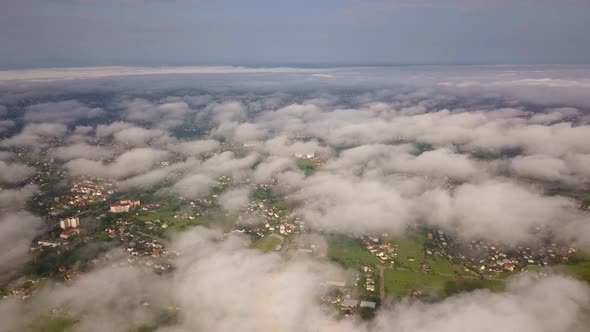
(443, 279)
(400, 283)
(349, 252)
(53, 324)
(267, 243)
(580, 270)
(410, 246)
(582, 195)
(308, 166)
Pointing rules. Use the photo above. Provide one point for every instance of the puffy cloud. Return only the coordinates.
(137, 136)
(345, 204)
(272, 166)
(158, 176)
(194, 148)
(523, 308)
(234, 200)
(14, 172)
(498, 211)
(194, 186)
(130, 163)
(167, 115)
(67, 111)
(208, 291)
(80, 151)
(12, 199)
(103, 131)
(33, 135)
(540, 167)
(229, 111)
(17, 230)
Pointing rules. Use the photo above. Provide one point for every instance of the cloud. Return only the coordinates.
(158, 176)
(272, 167)
(14, 172)
(101, 72)
(80, 151)
(34, 136)
(103, 131)
(235, 200)
(195, 148)
(207, 290)
(68, 111)
(5, 125)
(130, 163)
(194, 186)
(137, 136)
(497, 211)
(518, 310)
(344, 204)
(17, 230)
(166, 115)
(14, 199)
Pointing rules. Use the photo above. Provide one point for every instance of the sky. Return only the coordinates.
(62, 33)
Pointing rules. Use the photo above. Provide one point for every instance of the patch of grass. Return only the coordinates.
(306, 165)
(350, 252)
(267, 243)
(459, 286)
(580, 270)
(409, 246)
(52, 324)
(442, 265)
(403, 283)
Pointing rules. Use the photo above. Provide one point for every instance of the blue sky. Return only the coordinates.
(42, 33)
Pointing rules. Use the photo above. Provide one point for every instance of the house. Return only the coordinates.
(47, 243)
(68, 233)
(335, 283)
(350, 303)
(368, 304)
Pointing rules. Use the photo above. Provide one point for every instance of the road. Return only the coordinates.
(381, 283)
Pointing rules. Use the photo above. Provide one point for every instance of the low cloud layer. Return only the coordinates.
(479, 153)
(221, 286)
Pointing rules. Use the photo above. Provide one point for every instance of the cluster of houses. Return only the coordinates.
(337, 293)
(88, 191)
(384, 251)
(369, 278)
(488, 258)
(84, 192)
(273, 220)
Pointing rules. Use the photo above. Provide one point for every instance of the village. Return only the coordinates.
(413, 265)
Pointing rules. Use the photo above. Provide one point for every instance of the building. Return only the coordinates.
(47, 243)
(352, 303)
(335, 283)
(368, 304)
(118, 208)
(68, 233)
(69, 222)
(124, 206)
